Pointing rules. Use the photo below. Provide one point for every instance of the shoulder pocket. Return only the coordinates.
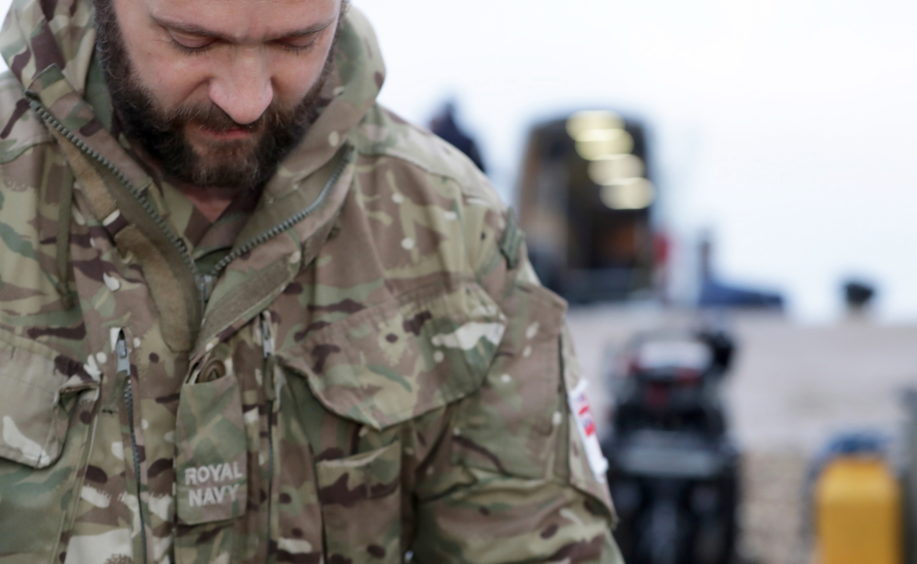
(401, 359)
(512, 426)
(36, 404)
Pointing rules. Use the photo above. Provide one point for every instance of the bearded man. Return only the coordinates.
(248, 315)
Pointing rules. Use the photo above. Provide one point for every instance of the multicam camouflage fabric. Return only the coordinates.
(376, 375)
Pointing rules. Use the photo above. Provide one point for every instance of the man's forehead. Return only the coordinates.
(243, 19)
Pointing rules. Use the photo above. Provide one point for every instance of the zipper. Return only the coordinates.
(202, 280)
(345, 157)
(267, 348)
(137, 193)
(124, 367)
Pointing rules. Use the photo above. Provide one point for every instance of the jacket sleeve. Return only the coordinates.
(512, 480)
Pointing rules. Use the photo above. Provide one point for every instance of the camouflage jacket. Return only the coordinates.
(376, 376)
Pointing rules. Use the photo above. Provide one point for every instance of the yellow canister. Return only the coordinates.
(858, 512)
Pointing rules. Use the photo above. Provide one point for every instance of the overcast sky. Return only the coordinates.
(787, 127)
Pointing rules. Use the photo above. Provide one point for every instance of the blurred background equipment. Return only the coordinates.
(674, 468)
(718, 293)
(858, 296)
(585, 201)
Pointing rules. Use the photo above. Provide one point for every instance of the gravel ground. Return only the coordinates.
(772, 524)
(793, 387)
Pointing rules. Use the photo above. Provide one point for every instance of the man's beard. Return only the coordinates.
(234, 164)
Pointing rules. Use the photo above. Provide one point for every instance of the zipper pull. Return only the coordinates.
(205, 283)
(121, 350)
(267, 339)
(267, 348)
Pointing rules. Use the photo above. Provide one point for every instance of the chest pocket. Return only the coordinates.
(46, 412)
(377, 369)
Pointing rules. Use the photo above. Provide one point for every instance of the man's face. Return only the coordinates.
(217, 91)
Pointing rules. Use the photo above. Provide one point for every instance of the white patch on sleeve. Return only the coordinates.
(95, 497)
(294, 546)
(14, 437)
(468, 335)
(110, 218)
(92, 367)
(585, 424)
(161, 506)
(111, 282)
(130, 502)
(532, 330)
(161, 548)
(572, 517)
(251, 416)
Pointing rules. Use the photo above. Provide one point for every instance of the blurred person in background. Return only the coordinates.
(445, 124)
(249, 315)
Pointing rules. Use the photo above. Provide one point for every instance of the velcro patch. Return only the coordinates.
(511, 241)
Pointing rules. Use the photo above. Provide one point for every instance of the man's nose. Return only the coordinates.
(243, 90)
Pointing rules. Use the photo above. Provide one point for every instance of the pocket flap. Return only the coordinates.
(33, 421)
(403, 358)
(360, 477)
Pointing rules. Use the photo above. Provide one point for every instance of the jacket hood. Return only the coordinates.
(49, 45)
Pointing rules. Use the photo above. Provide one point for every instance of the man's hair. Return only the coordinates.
(106, 7)
(345, 5)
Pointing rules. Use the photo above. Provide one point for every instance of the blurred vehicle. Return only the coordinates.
(585, 201)
(674, 470)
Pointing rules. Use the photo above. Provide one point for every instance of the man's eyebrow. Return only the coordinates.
(194, 29)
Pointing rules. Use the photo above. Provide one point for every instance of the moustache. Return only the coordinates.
(214, 118)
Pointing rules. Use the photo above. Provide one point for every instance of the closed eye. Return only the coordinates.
(191, 44)
(298, 45)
